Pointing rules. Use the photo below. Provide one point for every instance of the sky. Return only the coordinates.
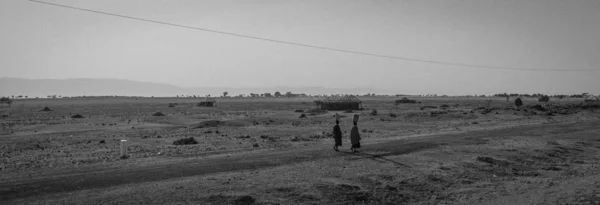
(39, 41)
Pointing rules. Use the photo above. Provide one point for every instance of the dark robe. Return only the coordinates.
(337, 135)
(355, 137)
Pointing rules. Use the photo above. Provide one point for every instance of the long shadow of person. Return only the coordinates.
(377, 157)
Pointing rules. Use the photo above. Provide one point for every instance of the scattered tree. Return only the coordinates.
(6, 100)
(277, 94)
(225, 94)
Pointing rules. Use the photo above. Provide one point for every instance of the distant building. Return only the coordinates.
(208, 102)
(592, 99)
(405, 100)
(347, 102)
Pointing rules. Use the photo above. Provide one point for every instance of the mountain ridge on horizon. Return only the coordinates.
(123, 87)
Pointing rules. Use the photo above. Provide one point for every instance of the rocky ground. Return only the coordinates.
(492, 152)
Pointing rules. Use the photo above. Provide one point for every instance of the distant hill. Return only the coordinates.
(100, 87)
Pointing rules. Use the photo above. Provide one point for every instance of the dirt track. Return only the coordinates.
(67, 182)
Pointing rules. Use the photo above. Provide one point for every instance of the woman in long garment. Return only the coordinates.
(355, 138)
(337, 135)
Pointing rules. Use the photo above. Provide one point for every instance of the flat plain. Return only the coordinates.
(442, 150)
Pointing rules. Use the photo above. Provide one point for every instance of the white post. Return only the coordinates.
(123, 148)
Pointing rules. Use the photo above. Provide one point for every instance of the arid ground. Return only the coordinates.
(280, 151)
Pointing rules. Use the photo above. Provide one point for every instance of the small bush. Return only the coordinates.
(428, 107)
(46, 109)
(243, 137)
(77, 116)
(302, 115)
(393, 115)
(185, 141)
(374, 112)
(158, 114)
(518, 102)
(172, 104)
(244, 200)
(298, 110)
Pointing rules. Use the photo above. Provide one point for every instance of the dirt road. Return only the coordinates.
(66, 182)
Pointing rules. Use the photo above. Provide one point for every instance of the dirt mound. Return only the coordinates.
(46, 109)
(185, 141)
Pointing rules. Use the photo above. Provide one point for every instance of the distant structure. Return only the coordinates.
(405, 100)
(348, 102)
(208, 102)
(592, 99)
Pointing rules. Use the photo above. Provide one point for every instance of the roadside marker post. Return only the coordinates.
(123, 149)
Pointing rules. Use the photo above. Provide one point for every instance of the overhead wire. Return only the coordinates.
(314, 46)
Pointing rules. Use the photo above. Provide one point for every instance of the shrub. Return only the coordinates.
(185, 141)
(243, 137)
(158, 114)
(172, 104)
(374, 112)
(46, 109)
(404, 100)
(428, 107)
(302, 115)
(393, 115)
(518, 102)
(298, 110)
(77, 116)
(6, 100)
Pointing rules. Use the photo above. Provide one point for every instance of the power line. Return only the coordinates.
(312, 46)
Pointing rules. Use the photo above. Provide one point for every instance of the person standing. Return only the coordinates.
(337, 135)
(355, 135)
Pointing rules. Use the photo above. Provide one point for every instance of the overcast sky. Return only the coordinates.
(42, 41)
